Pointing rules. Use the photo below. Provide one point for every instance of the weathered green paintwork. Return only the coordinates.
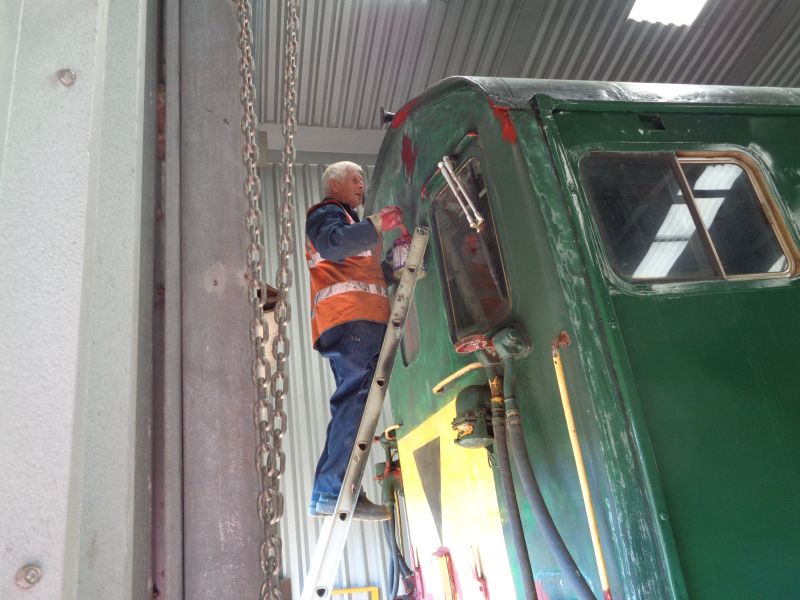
(685, 396)
(710, 364)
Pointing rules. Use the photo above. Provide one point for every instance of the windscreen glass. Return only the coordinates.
(666, 219)
(475, 281)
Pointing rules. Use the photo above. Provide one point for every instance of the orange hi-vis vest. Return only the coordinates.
(351, 290)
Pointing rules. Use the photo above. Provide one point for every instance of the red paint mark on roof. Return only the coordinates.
(409, 155)
(401, 115)
(509, 133)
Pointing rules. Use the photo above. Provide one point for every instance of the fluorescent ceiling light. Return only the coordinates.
(718, 177)
(677, 225)
(780, 265)
(675, 12)
(659, 260)
(708, 208)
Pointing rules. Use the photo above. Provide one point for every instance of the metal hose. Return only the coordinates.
(516, 441)
(398, 568)
(506, 479)
(510, 343)
(394, 574)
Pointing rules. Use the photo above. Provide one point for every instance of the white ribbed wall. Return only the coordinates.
(77, 187)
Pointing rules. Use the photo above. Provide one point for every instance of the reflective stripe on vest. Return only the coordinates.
(348, 286)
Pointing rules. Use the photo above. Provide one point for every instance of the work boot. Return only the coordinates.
(365, 510)
(368, 511)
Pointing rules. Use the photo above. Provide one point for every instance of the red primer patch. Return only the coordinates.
(509, 133)
(401, 115)
(409, 155)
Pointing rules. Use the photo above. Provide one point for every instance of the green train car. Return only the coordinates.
(656, 227)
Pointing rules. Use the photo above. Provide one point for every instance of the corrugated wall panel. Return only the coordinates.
(357, 55)
(782, 61)
(269, 58)
(311, 384)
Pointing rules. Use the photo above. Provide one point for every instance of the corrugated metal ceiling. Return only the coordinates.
(357, 55)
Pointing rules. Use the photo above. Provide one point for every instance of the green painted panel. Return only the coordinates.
(684, 394)
(549, 294)
(722, 407)
(710, 366)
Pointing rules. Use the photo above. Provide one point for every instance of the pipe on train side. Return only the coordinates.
(517, 446)
(507, 482)
(392, 486)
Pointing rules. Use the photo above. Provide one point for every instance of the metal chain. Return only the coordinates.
(269, 416)
(279, 383)
(279, 387)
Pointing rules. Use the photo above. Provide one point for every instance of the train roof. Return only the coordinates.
(518, 93)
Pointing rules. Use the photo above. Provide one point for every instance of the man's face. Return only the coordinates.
(349, 189)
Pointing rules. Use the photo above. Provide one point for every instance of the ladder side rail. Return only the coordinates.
(333, 535)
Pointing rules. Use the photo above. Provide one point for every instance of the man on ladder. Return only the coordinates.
(349, 312)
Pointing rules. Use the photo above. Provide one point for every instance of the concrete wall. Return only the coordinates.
(220, 523)
(76, 196)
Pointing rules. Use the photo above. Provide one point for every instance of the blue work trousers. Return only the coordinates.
(352, 349)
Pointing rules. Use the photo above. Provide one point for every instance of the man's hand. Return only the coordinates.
(387, 218)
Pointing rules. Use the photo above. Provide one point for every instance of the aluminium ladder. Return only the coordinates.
(332, 537)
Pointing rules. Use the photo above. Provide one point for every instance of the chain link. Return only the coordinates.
(279, 385)
(269, 416)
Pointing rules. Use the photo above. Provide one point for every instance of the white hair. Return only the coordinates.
(337, 172)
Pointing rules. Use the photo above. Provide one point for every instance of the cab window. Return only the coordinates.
(663, 217)
(474, 279)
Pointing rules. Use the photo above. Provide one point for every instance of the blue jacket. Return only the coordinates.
(336, 239)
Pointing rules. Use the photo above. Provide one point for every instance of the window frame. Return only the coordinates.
(463, 160)
(759, 184)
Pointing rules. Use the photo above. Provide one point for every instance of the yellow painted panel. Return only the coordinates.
(470, 515)
(372, 590)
